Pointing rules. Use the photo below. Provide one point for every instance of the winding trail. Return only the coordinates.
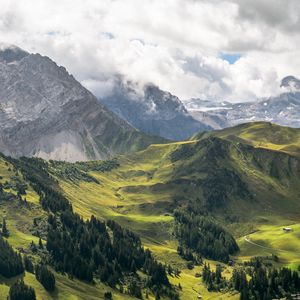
(247, 239)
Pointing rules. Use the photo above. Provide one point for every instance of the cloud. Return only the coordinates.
(175, 44)
(281, 14)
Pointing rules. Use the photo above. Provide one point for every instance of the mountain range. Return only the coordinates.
(152, 110)
(158, 112)
(283, 109)
(46, 112)
(96, 202)
(221, 199)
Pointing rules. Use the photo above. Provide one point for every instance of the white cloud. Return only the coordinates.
(172, 43)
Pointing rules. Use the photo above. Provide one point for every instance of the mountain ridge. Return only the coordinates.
(227, 180)
(283, 109)
(152, 110)
(45, 112)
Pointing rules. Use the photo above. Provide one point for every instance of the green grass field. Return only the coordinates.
(139, 195)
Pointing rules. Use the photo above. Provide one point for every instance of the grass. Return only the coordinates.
(272, 239)
(19, 219)
(132, 195)
(66, 288)
(139, 196)
(265, 135)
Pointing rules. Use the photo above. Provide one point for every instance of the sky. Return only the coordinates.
(234, 50)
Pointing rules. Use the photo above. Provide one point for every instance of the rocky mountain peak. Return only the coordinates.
(11, 54)
(291, 82)
(152, 110)
(162, 100)
(46, 112)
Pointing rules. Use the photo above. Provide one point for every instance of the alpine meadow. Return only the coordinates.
(149, 150)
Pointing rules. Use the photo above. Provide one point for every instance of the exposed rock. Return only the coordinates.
(45, 112)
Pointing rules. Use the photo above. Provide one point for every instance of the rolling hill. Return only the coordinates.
(238, 177)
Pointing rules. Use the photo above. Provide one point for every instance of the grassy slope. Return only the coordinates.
(134, 196)
(19, 221)
(140, 194)
(265, 135)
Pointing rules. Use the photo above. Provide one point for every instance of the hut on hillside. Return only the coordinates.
(287, 229)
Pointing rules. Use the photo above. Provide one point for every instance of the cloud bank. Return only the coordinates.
(183, 46)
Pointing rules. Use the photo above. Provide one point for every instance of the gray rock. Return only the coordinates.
(153, 111)
(45, 112)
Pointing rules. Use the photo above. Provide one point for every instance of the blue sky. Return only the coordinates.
(230, 57)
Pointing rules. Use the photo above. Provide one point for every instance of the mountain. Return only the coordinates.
(46, 112)
(183, 199)
(205, 105)
(291, 83)
(222, 197)
(152, 111)
(283, 109)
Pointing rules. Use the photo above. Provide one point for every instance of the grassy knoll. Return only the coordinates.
(265, 135)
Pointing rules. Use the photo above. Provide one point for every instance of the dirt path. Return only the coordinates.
(247, 239)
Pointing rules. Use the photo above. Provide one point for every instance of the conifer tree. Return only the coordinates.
(21, 291)
(4, 228)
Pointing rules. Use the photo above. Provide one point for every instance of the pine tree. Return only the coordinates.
(10, 261)
(41, 246)
(45, 277)
(4, 228)
(28, 265)
(108, 296)
(33, 247)
(20, 290)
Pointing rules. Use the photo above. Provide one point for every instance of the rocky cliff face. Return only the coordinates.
(45, 112)
(153, 111)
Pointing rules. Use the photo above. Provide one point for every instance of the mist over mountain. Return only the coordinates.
(149, 150)
(283, 109)
(45, 112)
(152, 111)
(290, 82)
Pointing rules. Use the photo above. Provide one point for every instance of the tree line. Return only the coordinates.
(266, 283)
(255, 280)
(85, 249)
(202, 235)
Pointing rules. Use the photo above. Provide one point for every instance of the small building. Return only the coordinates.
(287, 229)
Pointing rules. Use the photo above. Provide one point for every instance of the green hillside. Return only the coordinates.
(245, 179)
(265, 135)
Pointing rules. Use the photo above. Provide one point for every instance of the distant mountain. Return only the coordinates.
(283, 109)
(45, 112)
(204, 105)
(153, 111)
(291, 82)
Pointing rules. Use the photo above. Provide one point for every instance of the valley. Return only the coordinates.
(246, 180)
(149, 150)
